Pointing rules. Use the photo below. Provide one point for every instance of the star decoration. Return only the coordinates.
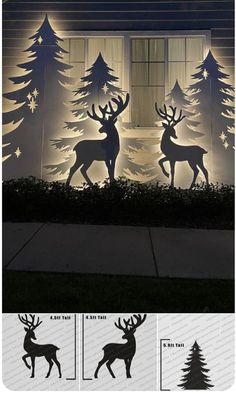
(18, 152)
(35, 92)
(105, 89)
(32, 105)
(222, 136)
(29, 96)
(40, 40)
(225, 144)
(205, 74)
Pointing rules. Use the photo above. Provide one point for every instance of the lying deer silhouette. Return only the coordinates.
(126, 351)
(34, 350)
(193, 154)
(106, 150)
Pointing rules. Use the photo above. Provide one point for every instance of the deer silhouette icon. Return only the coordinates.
(33, 350)
(126, 351)
(106, 150)
(173, 152)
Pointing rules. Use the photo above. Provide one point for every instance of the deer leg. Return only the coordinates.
(109, 168)
(83, 170)
(195, 173)
(204, 170)
(54, 358)
(161, 161)
(33, 366)
(73, 169)
(113, 163)
(103, 360)
(25, 362)
(172, 172)
(109, 367)
(127, 365)
(50, 366)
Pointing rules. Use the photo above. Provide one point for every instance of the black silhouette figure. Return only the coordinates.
(193, 154)
(99, 86)
(88, 151)
(195, 377)
(126, 351)
(34, 350)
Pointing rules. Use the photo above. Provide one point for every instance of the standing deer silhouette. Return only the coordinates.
(34, 350)
(106, 150)
(193, 154)
(126, 351)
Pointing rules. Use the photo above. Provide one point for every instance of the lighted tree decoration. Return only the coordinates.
(195, 377)
(35, 119)
(186, 131)
(99, 87)
(212, 99)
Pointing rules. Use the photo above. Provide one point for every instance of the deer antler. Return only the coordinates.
(119, 326)
(95, 116)
(130, 324)
(170, 118)
(121, 105)
(139, 320)
(163, 114)
(28, 323)
(175, 121)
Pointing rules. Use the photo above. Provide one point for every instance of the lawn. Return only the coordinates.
(70, 293)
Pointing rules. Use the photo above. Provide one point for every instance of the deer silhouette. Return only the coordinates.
(34, 350)
(106, 150)
(193, 154)
(126, 351)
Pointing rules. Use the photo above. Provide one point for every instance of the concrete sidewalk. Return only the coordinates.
(122, 250)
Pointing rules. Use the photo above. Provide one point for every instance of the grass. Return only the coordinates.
(70, 293)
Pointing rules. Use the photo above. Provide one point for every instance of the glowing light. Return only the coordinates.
(32, 105)
(222, 136)
(18, 152)
(40, 40)
(225, 144)
(105, 89)
(35, 93)
(205, 74)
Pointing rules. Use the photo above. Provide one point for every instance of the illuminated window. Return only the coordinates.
(148, 70)
(156, 64)
(147, 79)
(110, 48)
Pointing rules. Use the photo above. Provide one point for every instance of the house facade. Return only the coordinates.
(149, 44)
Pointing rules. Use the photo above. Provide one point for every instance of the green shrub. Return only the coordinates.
(122, 202)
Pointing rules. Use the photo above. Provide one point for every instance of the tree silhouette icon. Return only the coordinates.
(195, 377)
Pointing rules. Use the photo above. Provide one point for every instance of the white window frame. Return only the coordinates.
(127, 36)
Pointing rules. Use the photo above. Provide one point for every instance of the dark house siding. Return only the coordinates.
(20, 18)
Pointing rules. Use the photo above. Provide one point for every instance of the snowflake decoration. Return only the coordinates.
(205, 74)
(18, 152)
(35, 92)
(222, 136)
(226, 144)
(105, 89)
(32, 105)
(40, 40)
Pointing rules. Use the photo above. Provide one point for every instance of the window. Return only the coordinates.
(151, 65)
(156, 65)
(147, 79)
(110, 48)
